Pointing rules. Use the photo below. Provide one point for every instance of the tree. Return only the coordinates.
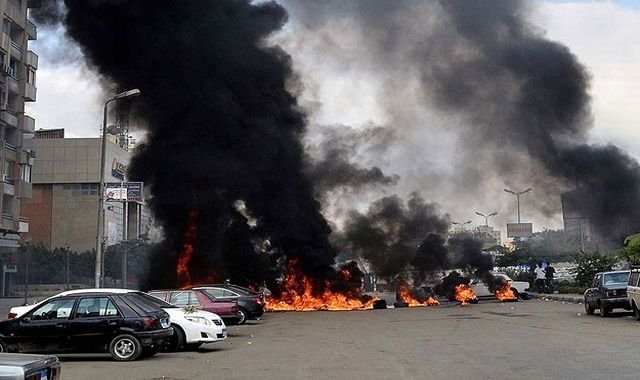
(588, 264)
(631, 249)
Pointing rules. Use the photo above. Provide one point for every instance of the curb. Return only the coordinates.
(559, 297)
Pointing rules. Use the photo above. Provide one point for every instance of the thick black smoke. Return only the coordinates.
(224, 132)
(388, 236)
(335, 159)
(519, 102)
(538, 101)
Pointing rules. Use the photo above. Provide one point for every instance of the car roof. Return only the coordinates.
(614, 271)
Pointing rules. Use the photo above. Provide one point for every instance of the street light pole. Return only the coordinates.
(103, 149)
(486, 217)
(518, 194)
(461, 224)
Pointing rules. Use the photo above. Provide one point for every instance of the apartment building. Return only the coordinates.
(18, 67)
(63, 210)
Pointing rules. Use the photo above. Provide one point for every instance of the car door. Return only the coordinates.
(45, 329)
(95, 321)
(591, 295)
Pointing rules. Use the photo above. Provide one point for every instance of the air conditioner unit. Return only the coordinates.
(5, 178)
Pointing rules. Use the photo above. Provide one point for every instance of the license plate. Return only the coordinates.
(164, 323)
(44, 375)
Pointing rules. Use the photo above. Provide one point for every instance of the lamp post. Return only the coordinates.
(461, 224)
(518, 194)
(486, 217)
(103, 148)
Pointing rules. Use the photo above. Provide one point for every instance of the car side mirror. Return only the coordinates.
(26, 319)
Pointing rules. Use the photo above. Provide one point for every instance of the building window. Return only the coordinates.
(8, 170)
(82, 190)
(25, 172)
(31, 76)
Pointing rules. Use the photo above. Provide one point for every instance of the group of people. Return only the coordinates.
(544, 277)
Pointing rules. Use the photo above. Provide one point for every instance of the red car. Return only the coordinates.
(226, 309)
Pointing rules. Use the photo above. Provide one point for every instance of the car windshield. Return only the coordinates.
(146, 302)
(615, 278)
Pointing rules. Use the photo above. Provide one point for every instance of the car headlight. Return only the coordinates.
(200, 320)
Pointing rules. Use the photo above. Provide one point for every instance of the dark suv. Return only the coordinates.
(124, 324)
(250, 302)
(608, 291)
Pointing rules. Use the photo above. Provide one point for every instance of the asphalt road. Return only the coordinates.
(533, 339)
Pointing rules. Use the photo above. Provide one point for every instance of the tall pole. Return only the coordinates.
(66, 253)
(518, 194)
(100, 232)
(103, 147)
(486, 217)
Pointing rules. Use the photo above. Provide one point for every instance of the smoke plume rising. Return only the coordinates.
(223, 130)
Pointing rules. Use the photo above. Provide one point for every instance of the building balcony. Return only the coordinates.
(29, 92)
(7, 222)
(16, 14)
(26, 189)
(31, 59)
(32, 30)
(8, 188)
(9, 118)
(14, 86)
(23, 224)
(5, 42)
(28, 123)
(16, 50)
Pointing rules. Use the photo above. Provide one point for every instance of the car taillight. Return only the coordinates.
(150, 322)
(12, 315)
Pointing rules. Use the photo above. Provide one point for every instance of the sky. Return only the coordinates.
(604, 35)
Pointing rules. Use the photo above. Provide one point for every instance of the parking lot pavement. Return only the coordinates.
(526, 340)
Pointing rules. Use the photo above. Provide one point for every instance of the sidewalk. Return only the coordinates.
(573, 298)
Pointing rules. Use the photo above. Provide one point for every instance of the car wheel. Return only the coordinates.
(515, 293)
(636, 311)
(3, 347)
(177, 340)
(588, 308)
(604, 311)
(243, 316)
(125, 347)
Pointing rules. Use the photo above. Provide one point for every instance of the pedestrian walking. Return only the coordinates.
(540, 278)
(549, 272)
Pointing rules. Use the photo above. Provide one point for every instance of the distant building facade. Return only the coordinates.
(63, 210)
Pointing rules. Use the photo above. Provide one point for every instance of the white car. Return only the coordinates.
(191, 327)
(519, 288)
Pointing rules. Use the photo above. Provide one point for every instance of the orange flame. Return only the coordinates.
(430, 301)
(188, 248)
(505, 293)
(406, 297)
(464, 294)
(298, 295)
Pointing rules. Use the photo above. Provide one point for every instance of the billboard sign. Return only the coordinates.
(519, 229)
(123, 191)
